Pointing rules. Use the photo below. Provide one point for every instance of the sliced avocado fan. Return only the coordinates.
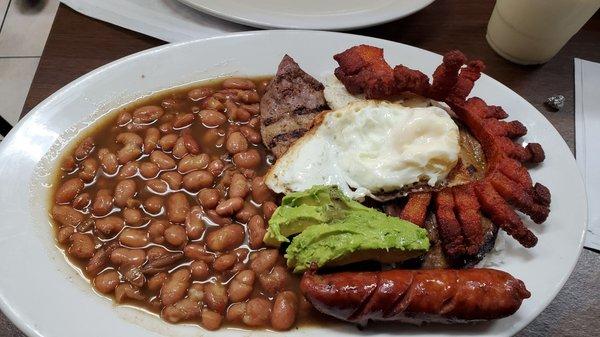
(335, 230)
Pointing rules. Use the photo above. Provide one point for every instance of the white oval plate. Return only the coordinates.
(309, 14)
(44, 296)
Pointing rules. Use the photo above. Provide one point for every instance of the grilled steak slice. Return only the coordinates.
(289, 105)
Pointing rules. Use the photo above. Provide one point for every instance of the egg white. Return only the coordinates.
(370, 147)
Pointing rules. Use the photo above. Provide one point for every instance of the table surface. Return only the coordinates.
(78, 44)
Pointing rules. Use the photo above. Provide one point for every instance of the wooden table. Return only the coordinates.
(78, 44)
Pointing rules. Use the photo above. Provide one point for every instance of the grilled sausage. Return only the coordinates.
(435, 295)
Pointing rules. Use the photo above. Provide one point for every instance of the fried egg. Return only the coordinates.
(369, 147)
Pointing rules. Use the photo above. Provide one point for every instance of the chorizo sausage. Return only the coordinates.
(436, 295)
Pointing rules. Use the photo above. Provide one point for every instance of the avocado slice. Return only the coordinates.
(359, 237)
(336, 230)
(299, 210)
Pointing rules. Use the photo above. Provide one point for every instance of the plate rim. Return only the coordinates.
(30, 329)
(257, 23)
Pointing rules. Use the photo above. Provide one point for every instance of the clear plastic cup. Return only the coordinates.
(533, 31)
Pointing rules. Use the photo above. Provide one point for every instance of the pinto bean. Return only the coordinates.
(274, 281)
(68, 164)
(184, 309)
(107, 281)
(166, 127)
(124, 118)
(235, 312)
(103, 202)
(263, 260)
(248, 96)
(268, 209)
(68, 190)
(253, 108)
(89, 168)
(129, 170)
(250, 134)
(238, 83)
(196, 251)
(149, 170)
(254, 123)
(177, 207)
(196, 180)
(157, 252)
(200, 270)
(81, 201)
(241, 286)
(129, 152)
(101, 258)
(64, 234)
(256, 231)
(153, 204)
(133, 216)
(109, 225)
(175, 287)
(238, 187)
(217, 219)
(225, 238)
(129, 138)
(215, 297)
(82, 246)
(211, 320)
(235, 113)
(124, 190)
(285, 309)
(224, 262)
(156, 282)
(246, 213)
(196, 292)
(162, 160)
(128, 257)
(86, 225)
(194, 225)
(212, 103)
(179, 150)
(212, 118)
(209, 198)
(125, 290)
(190, 143)
(157, 186)
(66, 215)
(183, 120)
(249, 159)
(258, 312)
(85, 147)
(151, 138)
(132, 237)
(156, 230)
(191, 163)
(167, 142)
(216, 167)
(175, 235)
(147, 114)
(108, 161)
(173, 179)
(229, 206)
(200, 93)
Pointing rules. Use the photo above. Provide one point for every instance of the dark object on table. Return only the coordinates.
(555, 102)
(5, 127)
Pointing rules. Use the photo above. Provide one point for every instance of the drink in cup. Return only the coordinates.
(533, 31)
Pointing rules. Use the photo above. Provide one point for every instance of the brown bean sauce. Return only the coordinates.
(126, 208)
